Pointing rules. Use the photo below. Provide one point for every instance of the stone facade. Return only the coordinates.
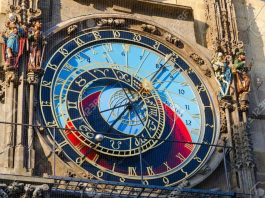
(216, 29)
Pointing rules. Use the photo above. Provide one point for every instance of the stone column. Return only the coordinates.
(11, 78)
(19, 164)
(227, 106)
(33, 79)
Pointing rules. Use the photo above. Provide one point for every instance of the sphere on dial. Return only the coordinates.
(99, 137)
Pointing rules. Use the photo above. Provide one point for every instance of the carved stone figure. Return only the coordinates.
(28, 190)
(15, 189)
(241, 72)
(72, 29)
(197, 59)
(151, 29)
(23, 190)
(35, 39)
(14, 41)
(40, 191)
(243, 82)
(111, 22)
(222, 72)
(174, 40)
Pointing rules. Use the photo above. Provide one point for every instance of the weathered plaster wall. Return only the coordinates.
(250, 14)
(63, 10)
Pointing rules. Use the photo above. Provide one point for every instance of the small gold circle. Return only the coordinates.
(147, 85)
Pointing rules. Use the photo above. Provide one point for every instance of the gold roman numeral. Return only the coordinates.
(180, 157)
(150, 170)
(132, 171)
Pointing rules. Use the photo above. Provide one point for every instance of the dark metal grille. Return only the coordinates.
(90, 188)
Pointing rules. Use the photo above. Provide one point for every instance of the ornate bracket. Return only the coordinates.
(104, 22)
(34, 77)
(151, 29)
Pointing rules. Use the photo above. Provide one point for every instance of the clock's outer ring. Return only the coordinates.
(209, 82)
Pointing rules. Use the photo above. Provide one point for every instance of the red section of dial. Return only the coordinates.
(178, 152)
(181, 148)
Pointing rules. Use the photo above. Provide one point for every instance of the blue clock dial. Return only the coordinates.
(130, 88)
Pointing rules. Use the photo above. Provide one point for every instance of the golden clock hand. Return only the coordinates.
(113, 108)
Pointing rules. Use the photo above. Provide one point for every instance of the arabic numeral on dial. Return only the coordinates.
(187, 107)
(151, 125)
(96, 35)
(100, 174)
(116, 34)
(137, 37)
(156, 45)
(181, 91)
(80, 160)
(188, 122)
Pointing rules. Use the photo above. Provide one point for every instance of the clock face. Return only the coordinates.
(140, 95)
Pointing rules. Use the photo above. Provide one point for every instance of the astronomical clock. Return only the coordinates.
(130, 101)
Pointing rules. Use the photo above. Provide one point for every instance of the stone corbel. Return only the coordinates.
(197, 59)
(11, 76)
(174, 40)
(201, 63)
(72, 29)
(33, 78)
(111, 22)
(151, 29)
